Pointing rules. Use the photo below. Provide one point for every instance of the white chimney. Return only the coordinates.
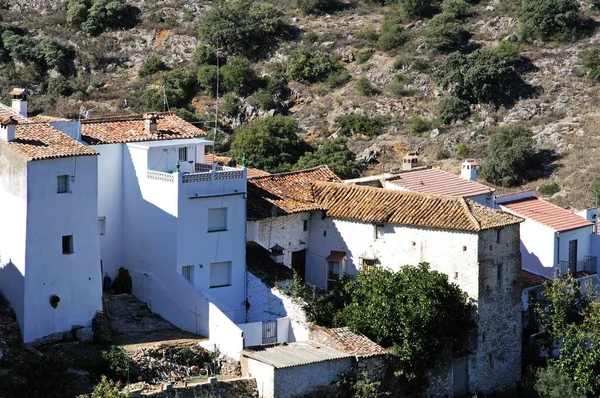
(19, 101)
(7, 128)
(150, 122)
(410, 161)
(469, 170)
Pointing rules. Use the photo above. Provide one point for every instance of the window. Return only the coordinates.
(335, 267)
(220, 274)
(305, 225)
(498, 233)
(188, 272)
(499, 273)
(67, 244)
(379, 231)
(101, 225)
(183, 154)
(368, 264)
(217, 219)
(62, 184)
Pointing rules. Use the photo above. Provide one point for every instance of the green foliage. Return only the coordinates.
(415, 310)
(397, 88)
(549, 189)
(207, 79)
(510, 156)
(451, 109)
(205, 55)
(551, 382)
(550, 20)
(390, 36)
(59, 86)
(241, 27)
(107, 389)
(418, 8)
(462, 149)
(117, 363)
(238, 76)
(591, 62)
(364, 87)
(417, 125)
(441, 154)
(179, 87)
(49, 53)
(357, 124)
(444, 33)
(96, 16)
(338, 78)
(186, 115)
(264, 99)
(369, 33)
(230, 105)
(151, 65)
(270, 144)
(336, 155)
(314, 6)
(483, 76)
(363, 387)
(457, 8)
(364, 55)
(420, 65)
(307, 66)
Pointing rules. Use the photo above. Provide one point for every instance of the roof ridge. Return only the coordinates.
(470, 214)
(390, 191)
(287, 173)
(124, 118)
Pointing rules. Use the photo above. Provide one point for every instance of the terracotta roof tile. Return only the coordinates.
(47, 119)
(376, 205)
(435, 181)
(529, 279)
(546, 213)
(131, 128)
(38, 141)
(6, 110)
(285, 193)
(251, 172)
(210, 158)
(344, 340)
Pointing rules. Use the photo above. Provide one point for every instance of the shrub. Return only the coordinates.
(369, 33)
(452, 109)
(336, 155)
(178, 86)
(418, 8)
(186, 115)
(207, 79)
(151, 65)
(314, 6)
(549, 189)
(552, 382)
(118, 364)
(241, 27)
(441, 154)
(547, 20)
(96, 16)
(591, 62)
(357, 124)
(397, 88)
(264, 99)
(238, 76)
(59, 87)
(364, 55)
(420, 65)
(390, 36)
(364, 87)
(205, 55)
(417, 125)
(308, 66)
(457, 8)
(510, 156)
(107, 389)
(462, 149)
(444, 32)
(338, 78)
(230, 105)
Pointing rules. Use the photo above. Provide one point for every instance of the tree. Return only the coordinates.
(357, 124)
(95, 16)
(205, 55)
(241, 27)
(551, 382)
(151, 65)
(336, 155)
(179, 87)
(270, 144)
(452, 109)
(458, 8)
(418, 8)
(416, 311)
(510, 156)
(307, 66)
(547, 20)
(591, 62)
(445, 33)
(238, 76)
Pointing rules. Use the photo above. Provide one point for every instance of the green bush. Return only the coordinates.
(452, 109)
(207, 79)
(230, 105)
(441, 154)
(397, 88)
(357, 124)
(390, 36)
(49, 53)
(591, 63)
(59, 87)
(462, 149)
(314, 6)
(420, 65)
(238, 76)
(308, 66)
(549, 189)
(369, 33)
(364, 87)
(550, 20)
(205, 55)
(444, 33)
(457, 8)
(151, 65)
(336, 155)
(241, 27)
(552, 382)
(178, 86)
(107, 389)
(364, 55)
(418, 8)
(96, 16)
(117, 363)
(417, 125)
(263, 99)
(338, 78)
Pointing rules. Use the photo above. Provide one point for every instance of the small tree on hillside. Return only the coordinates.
(336, 155)
(419, 8)
(557, 20)
(270, 144)
(445, 33)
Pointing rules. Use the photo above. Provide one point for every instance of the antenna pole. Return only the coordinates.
(216, 102)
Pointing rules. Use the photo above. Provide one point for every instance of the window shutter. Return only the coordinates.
(220, 274)
(217, 219)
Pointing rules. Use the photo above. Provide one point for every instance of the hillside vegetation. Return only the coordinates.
(355, 84)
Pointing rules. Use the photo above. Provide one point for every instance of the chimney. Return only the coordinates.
(7, 128)
(150, 122)
(410, 161)
(19, 101)
(469, 170)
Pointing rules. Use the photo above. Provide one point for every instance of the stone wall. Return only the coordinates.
(234, 388)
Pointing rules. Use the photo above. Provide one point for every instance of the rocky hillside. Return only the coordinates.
(560, 109)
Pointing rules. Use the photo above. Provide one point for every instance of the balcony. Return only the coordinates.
(203, 172)
(587, 266)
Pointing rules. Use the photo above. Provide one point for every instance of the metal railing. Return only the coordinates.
(588, 265)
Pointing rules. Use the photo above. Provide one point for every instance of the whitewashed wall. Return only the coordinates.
(538, 248)
(584, 240)
(224, 333)
(264, 375)
(298, 380)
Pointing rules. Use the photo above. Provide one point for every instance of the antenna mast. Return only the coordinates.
(216, 102)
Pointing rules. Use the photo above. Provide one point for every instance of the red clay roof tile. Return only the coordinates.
(546, 213)
(435, 181)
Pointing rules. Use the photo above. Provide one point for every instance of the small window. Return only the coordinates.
(217, 219)
(220, 274)
(498, 233)
(101, 225)
(62, 184)
(305, 225)
(183, 154)
(188, 272)
(379, 231)
(67, 244)
(499, 273)
(368, 264)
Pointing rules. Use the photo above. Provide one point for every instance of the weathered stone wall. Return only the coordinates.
(223, 389)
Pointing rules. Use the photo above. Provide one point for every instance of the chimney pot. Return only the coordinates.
(469, 170)
(7, 128)
(410, 161)
(150, 122)
(19, 101)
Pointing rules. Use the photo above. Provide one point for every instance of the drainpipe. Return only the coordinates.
(558, 249)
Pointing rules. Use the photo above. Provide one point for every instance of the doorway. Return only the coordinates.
(573, 256)
(299, 263)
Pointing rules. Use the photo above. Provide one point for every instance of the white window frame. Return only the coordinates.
(223, 220)
(187, 271)
(101, 226)
(213, 269)
(182, 154)
(69, 244)
(62, 183)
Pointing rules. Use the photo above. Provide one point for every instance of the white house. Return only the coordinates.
(49, 249)
(552, 238)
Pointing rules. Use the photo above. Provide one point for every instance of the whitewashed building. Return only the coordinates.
(49, 249)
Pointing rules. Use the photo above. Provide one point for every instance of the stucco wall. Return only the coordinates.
(584, 240)
(264, 375)
(298, 380)
(538, 248)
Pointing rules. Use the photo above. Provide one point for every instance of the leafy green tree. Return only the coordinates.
(336, 155)
(550, 20)
(96, 16)
(59, 87)
(307, 66)
(418, 8)
(510, 156)
(241, 27)
(483, 76)
(179, 87)
(270, 144)
(552, 382)
(205, 55)
(457, 8)
(57, 55)
(591, 62)
(151, 65)
(207, 79)
(357, 124)
(263, 98)
(238, 76)
(451, 109)
(445, 33)
(390, 36)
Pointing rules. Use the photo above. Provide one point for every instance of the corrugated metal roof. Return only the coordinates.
(546, 213)
(294, 354)
(428, 180)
